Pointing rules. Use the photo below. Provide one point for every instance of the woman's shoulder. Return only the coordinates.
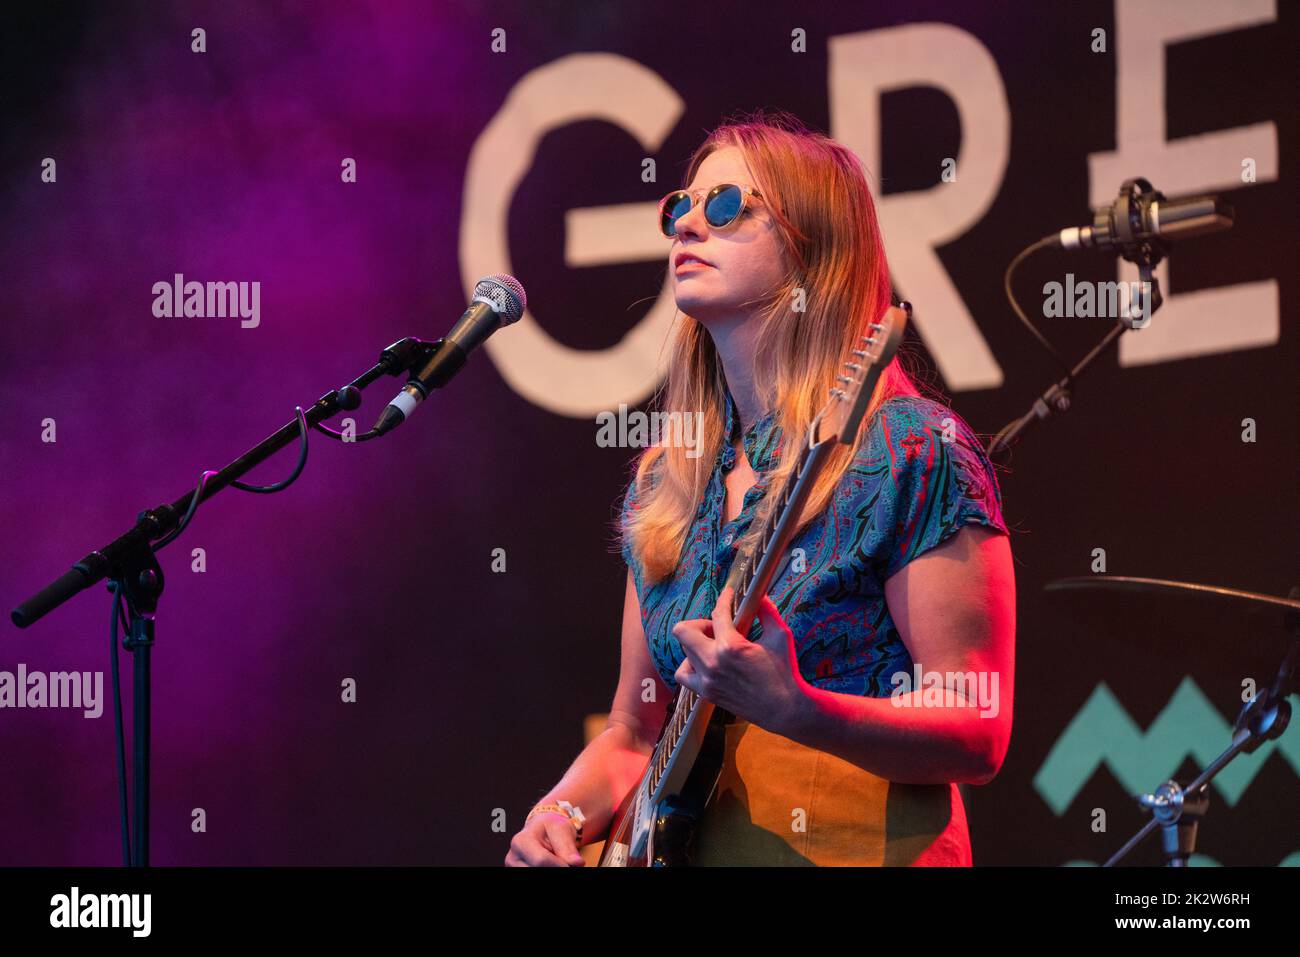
(916, 408)
(910, 423)
(921, 474)
(916, 439)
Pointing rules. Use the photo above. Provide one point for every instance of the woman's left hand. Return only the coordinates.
(758, 681)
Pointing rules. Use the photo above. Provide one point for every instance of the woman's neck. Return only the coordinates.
(734, 341)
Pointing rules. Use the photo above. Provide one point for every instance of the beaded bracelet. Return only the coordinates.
(574, 814)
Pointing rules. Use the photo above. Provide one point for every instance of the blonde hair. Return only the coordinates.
(817, 192)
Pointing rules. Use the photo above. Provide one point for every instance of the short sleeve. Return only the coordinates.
(934, 478)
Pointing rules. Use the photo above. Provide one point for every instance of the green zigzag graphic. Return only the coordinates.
(1103, 732)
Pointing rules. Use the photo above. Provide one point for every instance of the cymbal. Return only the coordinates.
(1181, 621)
(1126, 583)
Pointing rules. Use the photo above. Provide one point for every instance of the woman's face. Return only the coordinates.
(741, 262)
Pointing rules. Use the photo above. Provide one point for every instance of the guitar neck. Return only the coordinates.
(758, 566)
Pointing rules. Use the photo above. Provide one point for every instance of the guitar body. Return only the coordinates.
(658, 822)
(643, 834)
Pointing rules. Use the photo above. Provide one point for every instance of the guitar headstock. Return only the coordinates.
(841, 417)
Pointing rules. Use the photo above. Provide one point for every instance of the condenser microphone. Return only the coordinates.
(1146, 215)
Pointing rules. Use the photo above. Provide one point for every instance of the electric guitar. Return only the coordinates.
(656, 822)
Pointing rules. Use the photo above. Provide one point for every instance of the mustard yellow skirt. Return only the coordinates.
(780, 803)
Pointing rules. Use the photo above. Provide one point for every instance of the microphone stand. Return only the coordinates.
(130, 564)
(1178, 811)
(1125, 214)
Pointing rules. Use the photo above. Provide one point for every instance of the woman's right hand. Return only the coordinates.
(548, 840)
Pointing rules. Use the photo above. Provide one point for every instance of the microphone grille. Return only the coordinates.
(506, 294)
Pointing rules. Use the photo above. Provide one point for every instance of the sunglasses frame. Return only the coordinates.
(693, 194)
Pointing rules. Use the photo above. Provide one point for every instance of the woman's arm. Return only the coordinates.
(610, 765)
(955, 610)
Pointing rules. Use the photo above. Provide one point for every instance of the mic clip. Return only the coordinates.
(1127, 222)
(405, 354)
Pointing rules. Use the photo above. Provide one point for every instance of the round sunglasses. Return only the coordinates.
(722, 207)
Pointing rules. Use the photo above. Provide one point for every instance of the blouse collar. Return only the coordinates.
(762, 441)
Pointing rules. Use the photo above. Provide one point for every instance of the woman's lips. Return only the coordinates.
(691, 264)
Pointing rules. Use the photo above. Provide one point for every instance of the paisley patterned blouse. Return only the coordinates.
(907, 490)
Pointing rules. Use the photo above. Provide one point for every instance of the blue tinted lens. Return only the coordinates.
(723, 205)
(678, 205)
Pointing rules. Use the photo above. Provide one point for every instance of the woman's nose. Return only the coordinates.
(692, 222)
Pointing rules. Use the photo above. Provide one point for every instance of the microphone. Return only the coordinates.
(1142, 214)
(498, 301)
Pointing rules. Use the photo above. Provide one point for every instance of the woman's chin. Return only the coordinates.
(698, 311)
(702, 308)
(712, 316)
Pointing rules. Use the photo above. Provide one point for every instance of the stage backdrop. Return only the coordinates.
(389, 662)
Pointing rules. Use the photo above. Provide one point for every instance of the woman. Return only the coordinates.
(902, 560)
